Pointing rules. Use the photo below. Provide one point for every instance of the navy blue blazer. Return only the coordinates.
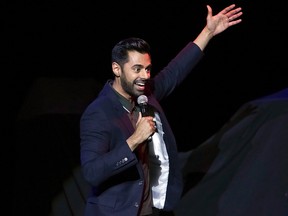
(108, 164)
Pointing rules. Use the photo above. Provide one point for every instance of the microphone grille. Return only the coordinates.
(142, 99)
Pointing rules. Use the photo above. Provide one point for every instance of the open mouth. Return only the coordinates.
(140, 85)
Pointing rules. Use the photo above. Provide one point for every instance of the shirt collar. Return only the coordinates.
(127, 105)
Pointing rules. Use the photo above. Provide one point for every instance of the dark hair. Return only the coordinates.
(120, 50)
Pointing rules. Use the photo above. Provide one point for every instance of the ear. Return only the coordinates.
(116, 69)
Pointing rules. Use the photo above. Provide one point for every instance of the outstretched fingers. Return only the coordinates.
(227, 9)
(233, 16)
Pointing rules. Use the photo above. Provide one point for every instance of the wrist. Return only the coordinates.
(203, 38)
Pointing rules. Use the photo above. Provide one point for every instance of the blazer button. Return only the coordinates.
(136, 205)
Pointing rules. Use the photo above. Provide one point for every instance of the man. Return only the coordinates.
(128, 150)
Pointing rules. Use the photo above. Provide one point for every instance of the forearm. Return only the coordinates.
(203, 38)
(98, 168)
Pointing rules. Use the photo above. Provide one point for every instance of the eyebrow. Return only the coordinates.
(141, 66)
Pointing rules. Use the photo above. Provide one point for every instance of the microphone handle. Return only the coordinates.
(143, 110)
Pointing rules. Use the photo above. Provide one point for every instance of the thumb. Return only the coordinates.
(209, 9)
(139, 117)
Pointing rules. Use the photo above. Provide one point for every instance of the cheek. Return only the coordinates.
(127, 78)
(130, 76)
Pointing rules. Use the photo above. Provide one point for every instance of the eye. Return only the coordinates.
(137, 69)
(148, 69)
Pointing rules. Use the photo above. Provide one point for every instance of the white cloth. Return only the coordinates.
(159, 166)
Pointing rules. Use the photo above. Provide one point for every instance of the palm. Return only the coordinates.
(223, 20)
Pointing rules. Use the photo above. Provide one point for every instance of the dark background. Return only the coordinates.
(72, 40)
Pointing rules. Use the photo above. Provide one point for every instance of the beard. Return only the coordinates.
(129, 87)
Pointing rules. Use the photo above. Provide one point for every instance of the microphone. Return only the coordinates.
(142, 101)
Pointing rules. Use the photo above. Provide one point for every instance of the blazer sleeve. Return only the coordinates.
(176, 71)
(104, 150)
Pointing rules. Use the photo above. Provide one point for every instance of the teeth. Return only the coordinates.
(141, 84)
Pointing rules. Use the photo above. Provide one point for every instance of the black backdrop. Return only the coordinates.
(73, 39)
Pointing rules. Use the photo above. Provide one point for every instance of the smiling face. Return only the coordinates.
(130, 79)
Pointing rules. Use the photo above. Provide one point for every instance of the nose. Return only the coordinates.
(145, 74)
